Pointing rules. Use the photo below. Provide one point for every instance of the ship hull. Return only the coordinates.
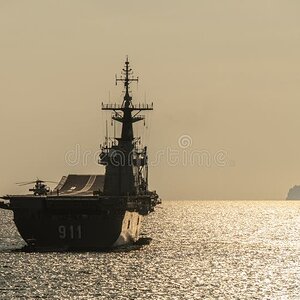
(78, 216)
(46, 226)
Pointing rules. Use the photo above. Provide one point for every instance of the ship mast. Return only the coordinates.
(127, 130)
(123, 113)
(125, 164)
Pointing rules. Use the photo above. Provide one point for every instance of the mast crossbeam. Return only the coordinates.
(133, 107)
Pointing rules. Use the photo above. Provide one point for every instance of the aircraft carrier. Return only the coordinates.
(93, 211)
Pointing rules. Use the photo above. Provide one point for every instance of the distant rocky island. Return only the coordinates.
(294, 193)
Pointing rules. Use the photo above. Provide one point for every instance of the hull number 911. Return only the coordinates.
(69, 232)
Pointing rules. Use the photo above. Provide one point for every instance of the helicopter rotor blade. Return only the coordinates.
(25, 183)
(34, 182)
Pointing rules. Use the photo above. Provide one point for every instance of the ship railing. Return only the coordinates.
(115, 106)
(112, 106)
(142, 106)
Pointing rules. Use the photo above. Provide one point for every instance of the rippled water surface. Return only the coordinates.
(199, 250)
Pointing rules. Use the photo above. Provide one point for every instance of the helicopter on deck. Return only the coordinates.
(40, 187)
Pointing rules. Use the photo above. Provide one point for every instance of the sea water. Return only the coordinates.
(199, 250)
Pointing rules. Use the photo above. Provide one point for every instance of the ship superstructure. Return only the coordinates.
(125, 159)
(94, 211)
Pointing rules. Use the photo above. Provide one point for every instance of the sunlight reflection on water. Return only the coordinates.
(200, 250)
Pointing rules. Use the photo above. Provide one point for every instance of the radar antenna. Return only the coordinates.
(127, 79)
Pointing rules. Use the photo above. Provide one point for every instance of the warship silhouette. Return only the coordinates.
(93, 211)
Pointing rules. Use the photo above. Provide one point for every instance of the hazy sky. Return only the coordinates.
(224, 73)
